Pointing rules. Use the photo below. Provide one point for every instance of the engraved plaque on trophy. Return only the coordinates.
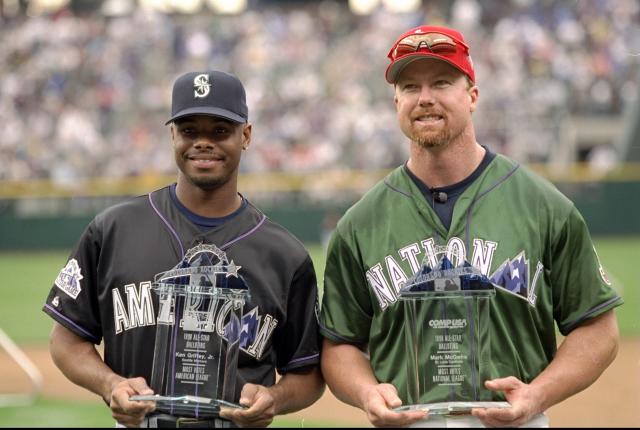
(447, 336)
(198, 331)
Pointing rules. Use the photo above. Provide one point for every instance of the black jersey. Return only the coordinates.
(104, 291)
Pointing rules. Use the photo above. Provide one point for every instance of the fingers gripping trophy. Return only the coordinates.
(198, 335)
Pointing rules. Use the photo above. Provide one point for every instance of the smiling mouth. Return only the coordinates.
(431, 118)
(204, 161)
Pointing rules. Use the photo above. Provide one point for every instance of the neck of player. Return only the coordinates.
(210, 203)
(445, 165)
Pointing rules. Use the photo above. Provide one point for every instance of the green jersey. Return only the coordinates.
(512, 225)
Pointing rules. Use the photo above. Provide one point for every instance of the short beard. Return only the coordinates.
(439, 140)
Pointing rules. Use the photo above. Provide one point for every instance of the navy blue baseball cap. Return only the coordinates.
(211, 93)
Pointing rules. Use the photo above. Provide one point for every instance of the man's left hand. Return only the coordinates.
(261, 407)
(524, 399)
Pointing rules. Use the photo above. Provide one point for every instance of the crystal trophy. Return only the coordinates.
(447, 337)
(198, 329)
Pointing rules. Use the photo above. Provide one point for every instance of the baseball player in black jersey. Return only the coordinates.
(103, 294)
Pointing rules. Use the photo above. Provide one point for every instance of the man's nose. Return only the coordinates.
(204, 142)
(426, 96)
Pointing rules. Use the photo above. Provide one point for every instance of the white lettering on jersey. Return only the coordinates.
(140, 305)
(512, 276)
(139, 309)
(257, 348)
(199, 314)
(483, 255)
(532, 289)
(456, 251)
(409, 253)
(430, 250)
(120, 318)
(398, 277)
(380, 286)
(165, 314)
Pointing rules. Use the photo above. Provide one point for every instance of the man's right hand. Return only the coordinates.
(378, 400)
(126, 412)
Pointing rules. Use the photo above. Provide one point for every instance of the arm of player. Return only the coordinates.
(581, 358)
(348, 373)
(292, 392)
(81, 363)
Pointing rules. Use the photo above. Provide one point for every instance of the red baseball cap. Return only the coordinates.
(441, 43)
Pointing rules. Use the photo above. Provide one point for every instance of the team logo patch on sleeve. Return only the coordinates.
(68, 279)
(603, 274)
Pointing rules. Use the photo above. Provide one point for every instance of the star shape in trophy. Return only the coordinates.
(232, 269)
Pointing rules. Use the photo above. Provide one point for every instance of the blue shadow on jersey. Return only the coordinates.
(444, 279)
(512, 275)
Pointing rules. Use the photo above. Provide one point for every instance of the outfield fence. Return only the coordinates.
(48, 215)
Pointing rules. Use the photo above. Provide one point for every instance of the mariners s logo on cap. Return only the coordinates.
(193, 94)
(201, 86)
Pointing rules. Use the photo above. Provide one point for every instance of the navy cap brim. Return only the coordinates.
(210, 111)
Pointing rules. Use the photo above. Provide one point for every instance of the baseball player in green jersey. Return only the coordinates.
(103, 294)
(510, 224)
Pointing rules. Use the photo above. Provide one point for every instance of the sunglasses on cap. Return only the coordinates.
(437, 43)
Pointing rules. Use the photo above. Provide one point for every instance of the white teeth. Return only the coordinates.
(429, 118)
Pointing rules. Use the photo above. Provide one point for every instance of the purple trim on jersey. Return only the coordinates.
(242, 236)
(297, 360)
(52, 309)
(337, 336)
(168, 225)
(308, 357)
(587, 315)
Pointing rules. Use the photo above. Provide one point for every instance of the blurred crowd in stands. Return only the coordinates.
(85, 95)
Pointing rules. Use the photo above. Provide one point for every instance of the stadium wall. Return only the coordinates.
(609, 208)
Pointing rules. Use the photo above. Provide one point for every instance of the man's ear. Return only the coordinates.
(474, 94)
(246, 136)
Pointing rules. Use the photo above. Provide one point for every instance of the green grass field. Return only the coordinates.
(27, 277)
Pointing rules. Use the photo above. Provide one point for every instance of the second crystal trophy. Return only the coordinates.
(447, 336)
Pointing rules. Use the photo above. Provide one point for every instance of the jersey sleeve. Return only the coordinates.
(581, 289)
(73, 299)
(346, 311)
(297, 344)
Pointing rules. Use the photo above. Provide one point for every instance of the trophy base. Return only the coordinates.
(451, 408)
(188, 406)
